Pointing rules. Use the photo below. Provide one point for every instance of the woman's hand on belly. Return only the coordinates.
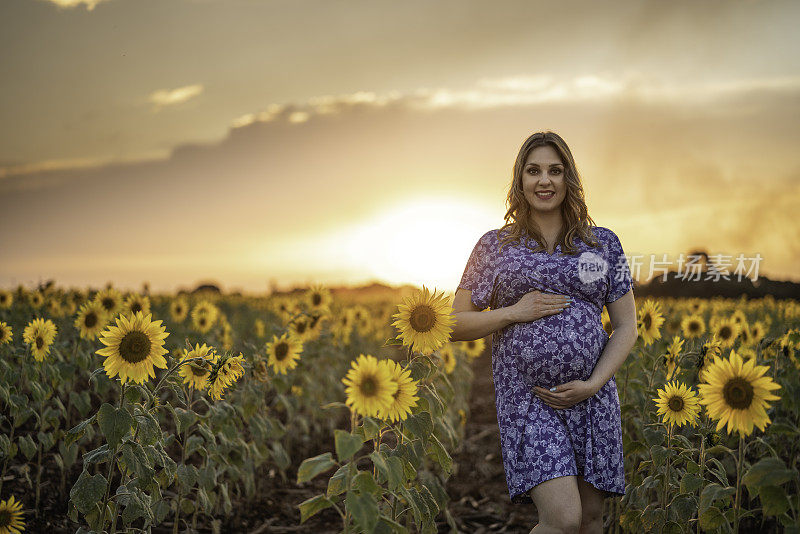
(566, 395)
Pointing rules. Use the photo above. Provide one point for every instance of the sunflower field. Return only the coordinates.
(131, 412)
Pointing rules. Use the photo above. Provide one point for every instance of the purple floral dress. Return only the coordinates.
(538, 442)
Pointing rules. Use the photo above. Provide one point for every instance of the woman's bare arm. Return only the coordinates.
(471, 323)
(622, 313)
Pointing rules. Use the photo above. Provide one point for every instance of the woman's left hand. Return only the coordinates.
(566, 395)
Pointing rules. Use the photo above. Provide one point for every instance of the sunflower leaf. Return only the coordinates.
(115, 423)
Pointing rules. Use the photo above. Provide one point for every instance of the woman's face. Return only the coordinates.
(543, 179)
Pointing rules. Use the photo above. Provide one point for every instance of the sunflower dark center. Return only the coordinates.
(738, 393)
(647, 321)
(470, 344)
(694, 326)
(202, 321)
(198, 369)
(281, 351)
(422, 318)
(5, 518)
(317, 299)
(90, 320)
(300, 327)
(134, 347)
(136, 307)
(108, 303)
(675, 403)
(39, 342)
(368, 386)
(725, 332)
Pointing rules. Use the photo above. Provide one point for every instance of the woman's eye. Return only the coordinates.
(557, 171)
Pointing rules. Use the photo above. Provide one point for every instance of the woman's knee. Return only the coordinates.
(566, 522)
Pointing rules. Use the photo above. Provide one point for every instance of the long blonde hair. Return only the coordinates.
(576, 217)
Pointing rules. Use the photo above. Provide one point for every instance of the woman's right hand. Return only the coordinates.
(537, 304)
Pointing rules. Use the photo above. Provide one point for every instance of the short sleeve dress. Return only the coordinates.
(538, 442)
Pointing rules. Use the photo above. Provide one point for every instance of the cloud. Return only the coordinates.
(172, 97)
(69, 4)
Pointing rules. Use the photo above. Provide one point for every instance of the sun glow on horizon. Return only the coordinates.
(416, 241)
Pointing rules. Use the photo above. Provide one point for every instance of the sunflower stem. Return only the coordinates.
(666, 477)
(702, 467)
(111, 460)
(736, 502)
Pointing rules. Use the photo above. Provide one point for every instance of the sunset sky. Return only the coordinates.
(258, 142)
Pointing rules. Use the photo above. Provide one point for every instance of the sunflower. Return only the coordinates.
(91, 320)
(448, 357)
(677, 404)
(370, 387)
(133, 347)
(404, 398)
(259, 328)
(318, 298)
(284, 352)
(671, 357)
(473, 348)
(300, 328)
(196, 373)
(649, 321)
(204, 315)
(39, 334)
(425, 321)
(227, 370)
(11, 516)
(297, 391)
(758, 330)
(111, 299)
(260, 371)
(736, 394)
(726, 331)
(693, 326)
(36, 299)
(6, 334)
(178, 309)
(6, 298)
(136, 303)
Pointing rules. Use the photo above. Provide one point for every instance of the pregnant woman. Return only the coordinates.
(546, 275)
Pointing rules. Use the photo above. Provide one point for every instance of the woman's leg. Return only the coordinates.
(591, 508)
(558, 504)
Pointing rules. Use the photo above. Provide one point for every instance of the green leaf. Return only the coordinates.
(364, 510)
(187, 476)
(75, 433)
(87, 491)
(768, 472)
(712, 493)
(27, 446)
(442, 456)
(183, 419)
(774, 500)
(337, 484)
(115, 423)
(137, 461)
(364, 482)
(420, 425)
(149, 429)
(712, 518)
(311, 506)
(682, 507)
(691, 483)
(311, 467)
(347, 444)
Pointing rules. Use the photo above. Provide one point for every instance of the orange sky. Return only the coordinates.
(247, 142)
